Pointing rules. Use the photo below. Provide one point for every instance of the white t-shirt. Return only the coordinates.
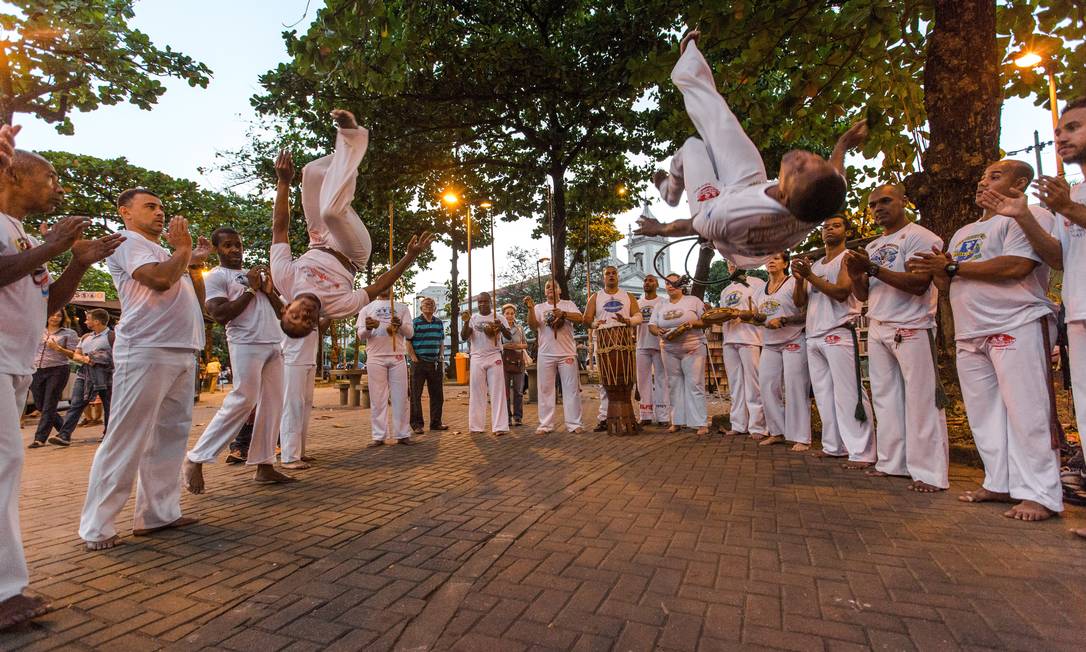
(483, 346)
(741, 297)
(378, 342)
(668, 315)
(609, 305)
(257, 324)
(320, 273)
(823, 312)
(776, 305)
(645, 339)
(25, 302)
(1073, 238)
(888, 304)
(983, 308)
(151, 319)
(552, 343)
(300, 351)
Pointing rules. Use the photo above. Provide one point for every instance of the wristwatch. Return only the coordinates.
(250, 290)
(951, 269)
(873, 270)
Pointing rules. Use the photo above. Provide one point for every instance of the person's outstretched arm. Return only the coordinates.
(418, 244)
(284, 174)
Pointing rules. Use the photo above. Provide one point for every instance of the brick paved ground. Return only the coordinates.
(565, 541)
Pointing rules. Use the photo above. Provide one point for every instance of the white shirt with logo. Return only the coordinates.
(24, 301)
(775, 305)
(983, 308)
(555, 343)
(319, 273)
(741, 296)
(485, 347)
(379, 344)
(888, 304)
(1073, 238)
(609, 305)
(824, 313)
(645, 339)
(300, 351)
(668, 315)
(151, 319)
(257, 323)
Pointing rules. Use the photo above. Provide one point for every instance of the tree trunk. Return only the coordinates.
(962, 97)
(558, 252)
(701, 271)
(454, 314)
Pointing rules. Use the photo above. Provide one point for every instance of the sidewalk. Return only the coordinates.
(562, 542)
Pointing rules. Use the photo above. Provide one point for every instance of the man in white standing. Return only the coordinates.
(244, 301)
(655, 405)
(154, 357)
(1002, 317)
(832, 350)
(384, 328)
(742, 352)
(556, 354)
(911, 438)
(610, 308)
(28, 295)
(483, 331)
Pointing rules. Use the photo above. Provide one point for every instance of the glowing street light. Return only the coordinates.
(450, 198)
(1029, 60)
(621, 190)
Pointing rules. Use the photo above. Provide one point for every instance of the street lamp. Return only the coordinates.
(1029, 60)
(539, 276)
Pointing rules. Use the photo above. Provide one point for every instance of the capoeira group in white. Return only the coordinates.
(782, 338)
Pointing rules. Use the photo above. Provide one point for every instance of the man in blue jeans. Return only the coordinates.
(94, 378)
(426, 349)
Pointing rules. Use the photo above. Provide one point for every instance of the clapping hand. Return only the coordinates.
(88, 252)
(66, 231)
(371, 323)
(419, 243)
(933, 262)
(1055, 192)
(856, 262)
(1013, 204)
(801, 268)
(465, 316)
(201, 251)
(284, 167)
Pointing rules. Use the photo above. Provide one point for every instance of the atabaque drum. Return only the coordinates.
(615, 353)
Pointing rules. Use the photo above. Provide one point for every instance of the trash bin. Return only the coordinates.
(461, 368)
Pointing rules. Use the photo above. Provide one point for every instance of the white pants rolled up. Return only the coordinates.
(652, 387)
(566, 369)
(487, 379)
(832, 364)
(257, 383)
(149, 422)
(686, 378)
(911, 438)
(1004, 380)
(13, 572)
(297, 407)
(388, 384)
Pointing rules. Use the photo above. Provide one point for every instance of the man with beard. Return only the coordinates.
(610, 308)
(1002, 316)
(911, 439)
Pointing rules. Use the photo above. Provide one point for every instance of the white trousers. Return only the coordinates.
(1004, 383)
(258, 383)
(911, 438)
(328, 186)
(833, 374)
(13, 572)
(686, 378)
(149, 422)
(487, 377)
(1076, 353)
(652, 386)
(786, 385)
(388, 384)
(566, 369)
(741, 366)
(297, 407)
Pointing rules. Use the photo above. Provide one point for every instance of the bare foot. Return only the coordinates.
(822, 453)
(702, 431)
(297, 465)
(735, 433)
(1080, 532)
(542, 431)
(308, 458)
(924, 488)
(772, 439)
(856, 466)
(501, 432)
(691, 37)
(982, 495)
(192, 474)
(104, 544)
(20, 608)
(674, 429)
(659, 177)
(375, 443)
(266, 474)
(799, 448)
(875, 473)
(180, 522)
(1028, 510)
(476, 432)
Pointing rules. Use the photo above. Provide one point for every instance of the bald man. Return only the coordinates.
(28, 186)
(911, 436)
(1002, 316)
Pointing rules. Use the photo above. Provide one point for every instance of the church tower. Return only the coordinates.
(642, 249)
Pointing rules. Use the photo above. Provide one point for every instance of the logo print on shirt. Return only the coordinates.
(613, 306)
(969, 249)
(1073, 230)
(885, 255)
(673, 314)
(770, 307)
(646, 312)
(706, 192)
(732, 298)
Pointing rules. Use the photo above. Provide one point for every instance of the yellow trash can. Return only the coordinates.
(461, 368)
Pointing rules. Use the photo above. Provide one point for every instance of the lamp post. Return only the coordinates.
(1029, 60)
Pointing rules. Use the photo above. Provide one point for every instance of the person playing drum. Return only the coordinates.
(606, 309)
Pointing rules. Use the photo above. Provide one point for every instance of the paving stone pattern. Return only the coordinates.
(577, 542)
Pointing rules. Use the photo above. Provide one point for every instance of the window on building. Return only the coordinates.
(639, 260)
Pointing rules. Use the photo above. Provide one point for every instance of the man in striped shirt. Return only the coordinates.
(426, 349)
